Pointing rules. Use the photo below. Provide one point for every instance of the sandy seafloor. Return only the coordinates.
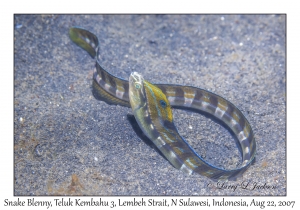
(68, 143)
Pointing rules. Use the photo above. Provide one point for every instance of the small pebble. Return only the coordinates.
(18, 26)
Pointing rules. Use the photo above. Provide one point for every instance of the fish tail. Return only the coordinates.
(84, 39)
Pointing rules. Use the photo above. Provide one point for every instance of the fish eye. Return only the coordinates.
(163, 103)
(137, 86)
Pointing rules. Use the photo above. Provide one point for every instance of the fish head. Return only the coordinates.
(137, 95)
(143, 93)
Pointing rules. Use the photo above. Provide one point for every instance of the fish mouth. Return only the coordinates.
(136, 77)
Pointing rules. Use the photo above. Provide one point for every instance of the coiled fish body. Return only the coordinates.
(151, 105)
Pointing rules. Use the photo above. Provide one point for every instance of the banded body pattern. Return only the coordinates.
(151, 106)
(224, 110)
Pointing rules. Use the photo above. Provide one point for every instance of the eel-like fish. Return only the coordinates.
(151, 105)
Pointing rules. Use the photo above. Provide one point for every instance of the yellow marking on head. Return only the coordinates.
(154, 97)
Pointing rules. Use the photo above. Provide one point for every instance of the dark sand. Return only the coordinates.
(68, 143)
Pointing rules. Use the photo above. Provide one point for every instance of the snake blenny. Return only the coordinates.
(151, 105)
